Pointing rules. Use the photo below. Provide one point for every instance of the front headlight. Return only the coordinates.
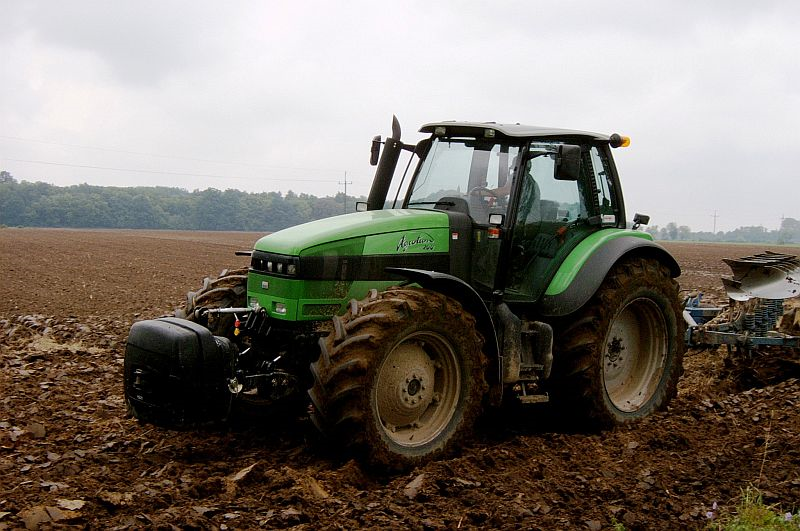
(275, 264)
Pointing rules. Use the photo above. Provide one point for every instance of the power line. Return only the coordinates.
(174, 157)
(345, 183)
(160, 172)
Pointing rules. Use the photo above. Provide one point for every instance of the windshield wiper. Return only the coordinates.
(447, 203)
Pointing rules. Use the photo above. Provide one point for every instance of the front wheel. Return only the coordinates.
(228, 290)
(401, 376)
(620, 357)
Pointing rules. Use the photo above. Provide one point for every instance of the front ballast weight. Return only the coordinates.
(175, 373)
(180, 374)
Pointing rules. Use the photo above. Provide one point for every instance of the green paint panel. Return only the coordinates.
(347, 247)
(307, 300)
(360, 289)
(295, 240)
(428, 240)
(574, 262)
(270, 291)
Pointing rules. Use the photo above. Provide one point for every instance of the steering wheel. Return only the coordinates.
(479, 189)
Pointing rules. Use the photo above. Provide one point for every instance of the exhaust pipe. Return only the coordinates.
(385, 170)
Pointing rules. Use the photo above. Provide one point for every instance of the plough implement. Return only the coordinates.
(763, 309)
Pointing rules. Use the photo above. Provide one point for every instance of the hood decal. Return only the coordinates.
(420, 242)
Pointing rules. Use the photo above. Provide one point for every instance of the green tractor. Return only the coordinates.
(500, 269)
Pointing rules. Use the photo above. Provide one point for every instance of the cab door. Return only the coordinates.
(552, 217)
(489, 191)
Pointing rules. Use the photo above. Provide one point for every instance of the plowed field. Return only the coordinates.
(69, 456)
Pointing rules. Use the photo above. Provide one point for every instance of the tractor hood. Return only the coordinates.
(310, 271)
(375, 232)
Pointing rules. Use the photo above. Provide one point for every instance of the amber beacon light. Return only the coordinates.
(616, 140)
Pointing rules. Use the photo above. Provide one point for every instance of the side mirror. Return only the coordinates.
(375, 150)
(568, 163)
(361, 206)
(496, 219)
(640, 219)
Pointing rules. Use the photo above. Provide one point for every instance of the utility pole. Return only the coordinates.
(345, 183)
(715, 216)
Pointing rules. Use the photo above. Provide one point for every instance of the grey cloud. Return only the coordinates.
(140, 42)
(707, 90)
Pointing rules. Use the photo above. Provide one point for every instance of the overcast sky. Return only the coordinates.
(262, 95)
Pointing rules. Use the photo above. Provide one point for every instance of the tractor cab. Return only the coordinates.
(519, 198)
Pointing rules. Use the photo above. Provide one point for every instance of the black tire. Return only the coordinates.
(228, 290)
(401, 376)
(619, 358)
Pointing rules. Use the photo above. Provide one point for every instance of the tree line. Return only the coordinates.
(789, 232)
(41, 204)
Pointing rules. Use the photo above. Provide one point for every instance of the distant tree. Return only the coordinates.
(672, 230)
(790, 224)
(212, 212)
(326, 207)
(6, 177)
(789, 231)
(749, 234)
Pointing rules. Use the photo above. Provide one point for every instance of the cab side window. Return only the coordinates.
(605, 201)
(545, 199)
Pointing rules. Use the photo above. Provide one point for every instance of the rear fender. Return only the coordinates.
(592, 272)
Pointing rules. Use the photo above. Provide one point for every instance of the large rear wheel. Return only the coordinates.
(401, 376)
(620, 357)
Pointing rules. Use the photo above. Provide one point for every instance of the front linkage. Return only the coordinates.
(179, 374)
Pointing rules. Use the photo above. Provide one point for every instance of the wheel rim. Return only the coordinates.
(634, 355)
(417, 389)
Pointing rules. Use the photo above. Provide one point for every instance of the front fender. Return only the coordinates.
(459, 290)
(572, 287)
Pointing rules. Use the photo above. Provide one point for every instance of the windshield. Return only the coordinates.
(465, 174)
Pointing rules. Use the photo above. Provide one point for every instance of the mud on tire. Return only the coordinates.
(401, 376)
(620, 357)
(228, 290)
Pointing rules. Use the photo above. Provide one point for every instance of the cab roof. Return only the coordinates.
(455, 128)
